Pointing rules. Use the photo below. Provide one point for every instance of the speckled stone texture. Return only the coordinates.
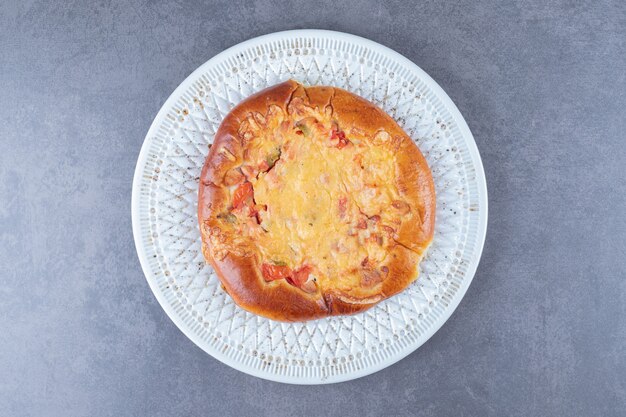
(542, 329)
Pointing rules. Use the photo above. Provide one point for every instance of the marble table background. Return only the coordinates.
(542, 329)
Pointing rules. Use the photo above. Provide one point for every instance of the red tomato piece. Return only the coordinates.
(243, 194)
(301, 275)
(340, 137)
(274, 272)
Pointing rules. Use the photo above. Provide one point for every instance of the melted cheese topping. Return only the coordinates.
(324, 198)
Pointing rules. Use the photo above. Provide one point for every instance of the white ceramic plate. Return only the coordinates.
(167, 237)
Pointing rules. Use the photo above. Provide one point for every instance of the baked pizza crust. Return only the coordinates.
(236, 251)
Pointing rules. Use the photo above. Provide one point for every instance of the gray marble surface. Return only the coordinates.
(541, 331)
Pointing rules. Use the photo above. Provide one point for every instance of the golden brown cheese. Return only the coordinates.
(314, 196)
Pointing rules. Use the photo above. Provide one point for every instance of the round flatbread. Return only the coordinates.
(313, 202)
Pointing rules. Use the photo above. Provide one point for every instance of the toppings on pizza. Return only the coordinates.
(227, 217)
(316, 199)
(244, 194)
(302, 129)
(233, 177)
(273, 272)
(249, 171)
(301, 275)
(271, 158)
(286, 200)
(338, 138)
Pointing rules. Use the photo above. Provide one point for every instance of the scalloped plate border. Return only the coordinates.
(257, 369)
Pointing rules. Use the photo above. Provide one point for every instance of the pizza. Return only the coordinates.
(313, 202)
